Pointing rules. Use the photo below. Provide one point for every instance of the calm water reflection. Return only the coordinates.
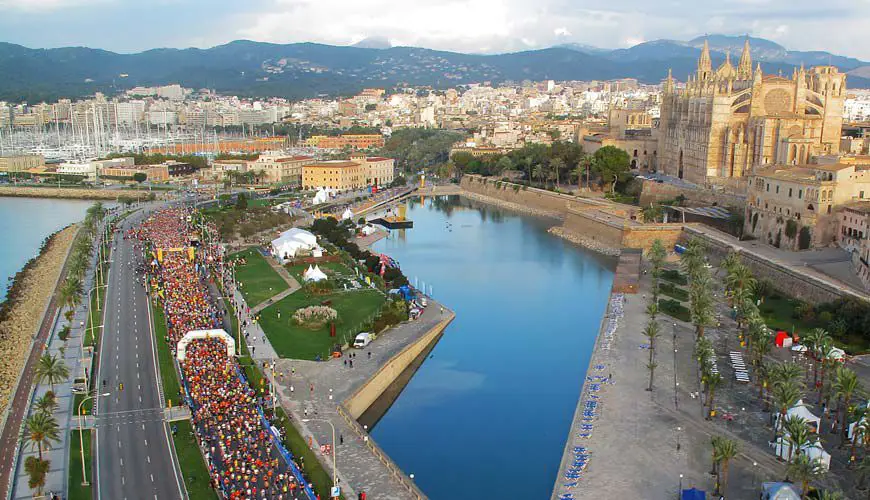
(487, 415)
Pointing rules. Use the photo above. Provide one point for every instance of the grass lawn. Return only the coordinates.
(168, 376)
(259, 280)
(778, 311)
(76, 490)
(296, 342)
(196, 478)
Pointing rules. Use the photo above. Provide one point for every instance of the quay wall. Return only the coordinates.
(372, 389)
(535, 198)
(72, 193)
(801, 285)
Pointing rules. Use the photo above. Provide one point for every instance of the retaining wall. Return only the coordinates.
(653, 192)
(789, 280)
(372, 389)
(74, 193)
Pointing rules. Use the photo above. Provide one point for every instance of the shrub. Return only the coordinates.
(804, 238)
(674, 276)
(791, 228)
(674, 291)
(674, 309)
(754, 221)
(314, 317)
(825, 317)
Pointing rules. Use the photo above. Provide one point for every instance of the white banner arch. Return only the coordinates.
(205, 334)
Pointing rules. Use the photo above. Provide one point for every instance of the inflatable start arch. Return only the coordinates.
(205, 334)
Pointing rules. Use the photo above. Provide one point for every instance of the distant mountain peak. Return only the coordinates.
(373, 42)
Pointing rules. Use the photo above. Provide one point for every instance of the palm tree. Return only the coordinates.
(730, 260)
(557, 164)
(714, 380)
(845, 386)
(701, 305)
(824, 353)
(528, 161)
(760, 341)
(714, 455)
(51, 369)
(41, 430)
(814, 339)
(46, 404)
(863, 472)
(805, 470)
(693, 257)
(831, 495)
(651, 332)
(656, 255)
(538, 172)
(652, 213)
(726, 451)
(69, 294)
(785, 396)
(740, 280)
(797, 434)
(36, 469)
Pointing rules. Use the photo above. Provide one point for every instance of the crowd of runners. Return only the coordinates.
(240, 448)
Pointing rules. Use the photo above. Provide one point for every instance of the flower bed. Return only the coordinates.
(314, 317)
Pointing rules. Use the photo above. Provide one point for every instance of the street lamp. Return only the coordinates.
(678, 437)
(334, 449)
(676, 384)
(90, 323)
(81, 438)
(680, 490)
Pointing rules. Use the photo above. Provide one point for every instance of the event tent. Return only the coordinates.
(813, 451)
(800, 410)
(347, 214)
(313, 274)
(290, 242)
(693, 494)
(779, 491)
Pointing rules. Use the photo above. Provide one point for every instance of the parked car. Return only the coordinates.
(362, 340)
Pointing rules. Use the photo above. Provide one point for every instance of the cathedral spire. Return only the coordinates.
(744, 67)
(705, 64)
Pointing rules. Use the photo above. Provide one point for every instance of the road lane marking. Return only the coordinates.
(148, 458)
(152, 477)
(122, 462)
(146, 442)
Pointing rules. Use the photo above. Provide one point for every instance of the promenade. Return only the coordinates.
(645, 444)
(313, 391)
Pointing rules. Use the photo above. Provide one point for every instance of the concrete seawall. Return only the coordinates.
(72, 193)
(374, 387)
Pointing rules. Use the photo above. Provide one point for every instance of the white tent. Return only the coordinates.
(322, 196)
(347, 214)
(813, 451)
(854, 425)
(799, 410)
(313, 274)
(290, 242)
(369, 229)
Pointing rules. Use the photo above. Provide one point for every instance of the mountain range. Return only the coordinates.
(301, 70)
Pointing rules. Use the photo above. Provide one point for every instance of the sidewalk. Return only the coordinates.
(359, 469)
(77, 362)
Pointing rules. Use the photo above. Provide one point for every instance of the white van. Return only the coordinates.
(362, 340)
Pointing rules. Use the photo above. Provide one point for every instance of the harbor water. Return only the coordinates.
(487, 414)
(25, 223)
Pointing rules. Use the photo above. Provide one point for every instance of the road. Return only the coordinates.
(135, 458)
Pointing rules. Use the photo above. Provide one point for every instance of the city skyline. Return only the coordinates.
(491, 26)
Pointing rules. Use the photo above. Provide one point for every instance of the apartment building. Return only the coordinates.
(278, 167)
(340, 175)
(354, 141)
(20, 163)
(854, 237)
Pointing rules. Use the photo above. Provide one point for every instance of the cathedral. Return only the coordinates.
(728, 121)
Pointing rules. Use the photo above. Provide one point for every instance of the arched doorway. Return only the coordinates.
(680, 170)
(633, 164)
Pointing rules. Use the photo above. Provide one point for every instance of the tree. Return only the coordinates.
(845, 386)
(813, 340)
(701, 305)
(651, 332)
(41, 431)
(805, 470)
(825, 353)
(831, 495)
(713, 381)
(242, 201)
(612, 165)
(70, 293)
(557, 164)
(785, 396)
(538, 172)
(652, 213)
(140, 177)
(46, 404)
(797, 434)
(726, 450)
(36, 469)
(51, 369)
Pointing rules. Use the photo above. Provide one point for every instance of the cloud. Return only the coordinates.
(561, 31)
(42, 6)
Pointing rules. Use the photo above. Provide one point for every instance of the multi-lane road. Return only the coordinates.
(135, 457)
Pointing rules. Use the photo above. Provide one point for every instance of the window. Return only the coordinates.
(777, 189)
(800, 193)
(861, 194)
(789, 192)
(829, 209)
(768, 187)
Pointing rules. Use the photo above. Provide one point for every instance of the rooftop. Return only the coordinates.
(862, 207)
(333, 164)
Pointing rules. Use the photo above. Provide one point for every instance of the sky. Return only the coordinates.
(474, 26)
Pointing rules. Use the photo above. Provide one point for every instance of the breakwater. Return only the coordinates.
(71, 193)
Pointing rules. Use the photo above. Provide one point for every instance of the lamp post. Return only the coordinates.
(90, 324)
(680, 490)
(676, 404)
(81, 436)
(678, 437)
(334, 450)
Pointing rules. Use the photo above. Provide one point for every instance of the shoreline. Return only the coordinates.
(68, 193)
(34, 285)
(584, 242)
